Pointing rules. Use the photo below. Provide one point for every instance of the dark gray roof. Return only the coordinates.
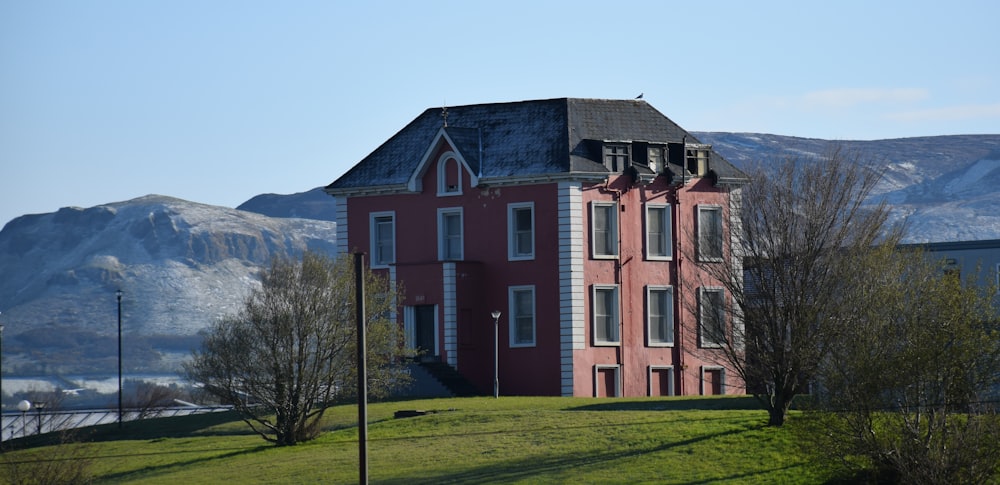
(544, 137)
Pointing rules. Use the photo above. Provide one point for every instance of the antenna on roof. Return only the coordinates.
(444, 114)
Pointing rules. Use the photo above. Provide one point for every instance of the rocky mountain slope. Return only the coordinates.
(182, 264)
(179, 264)
(945, 188)
(312, 204)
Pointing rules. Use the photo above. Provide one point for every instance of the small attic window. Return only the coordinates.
(655, 159)
(696, 159)
(616, 156)
(449, 175)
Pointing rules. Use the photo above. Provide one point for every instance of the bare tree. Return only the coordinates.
(147, 399)
(291, 349)
(911, 388)
(799, 229)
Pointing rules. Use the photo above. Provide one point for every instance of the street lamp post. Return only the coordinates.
(24, 406)
(38, 408)
(496, 353)
(118, 293)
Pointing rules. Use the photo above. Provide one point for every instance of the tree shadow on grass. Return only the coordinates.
(172, 427)
(539, 466)
(149, 472)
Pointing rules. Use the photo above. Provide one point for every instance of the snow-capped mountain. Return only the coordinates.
(179, 264)
(945, 188)
(182, 264)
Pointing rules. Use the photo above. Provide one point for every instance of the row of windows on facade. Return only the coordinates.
(691, 158)
(521, 233)
(607, 380)
(606, 316)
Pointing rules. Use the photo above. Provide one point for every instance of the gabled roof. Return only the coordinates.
(467, 144)
(523, 139)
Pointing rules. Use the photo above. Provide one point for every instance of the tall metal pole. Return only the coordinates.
(496, 353)
(119, 295)
(359, 288)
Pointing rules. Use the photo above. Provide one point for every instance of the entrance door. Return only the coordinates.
(425, 329)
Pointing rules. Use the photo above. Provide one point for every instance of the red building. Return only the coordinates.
(575, 218)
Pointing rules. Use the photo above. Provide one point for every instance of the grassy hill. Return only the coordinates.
(461, 440)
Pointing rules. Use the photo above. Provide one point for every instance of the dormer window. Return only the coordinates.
(655, 159)
(696, 159)
(616, 156)
(449, 173)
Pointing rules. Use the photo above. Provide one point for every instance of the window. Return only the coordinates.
(616, 156)
(659, 243)
(710, 233)
(711, 317)
(449, 175)
(522, 316)
(607, 381)
(521, 231)
(660, 315)
(450, 234)
(655, 159)
(661, 380)
(605, 314)
(604, 229)
(697, 159)
(383, 239)
(713, 380)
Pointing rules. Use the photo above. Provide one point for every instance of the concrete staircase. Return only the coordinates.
(449, 378)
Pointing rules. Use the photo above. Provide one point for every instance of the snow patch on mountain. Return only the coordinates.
(975, 179)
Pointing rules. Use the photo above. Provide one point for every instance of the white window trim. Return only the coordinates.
(512, 318)
(373, 238)
(668, 232)
(649, 378)
(441, 212)
(722, 378)
(618, 378)
(512, 231)
(701, 242)
(442, 175)
(701, 315)
(649, 323)
(617, 316)
(613, 230)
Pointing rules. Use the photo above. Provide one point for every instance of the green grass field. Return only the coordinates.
(463, 440)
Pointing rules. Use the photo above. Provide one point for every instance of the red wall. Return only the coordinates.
(485, 274)
(483, 278)
(635, 273)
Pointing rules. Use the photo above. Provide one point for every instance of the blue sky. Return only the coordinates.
(218, 101)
